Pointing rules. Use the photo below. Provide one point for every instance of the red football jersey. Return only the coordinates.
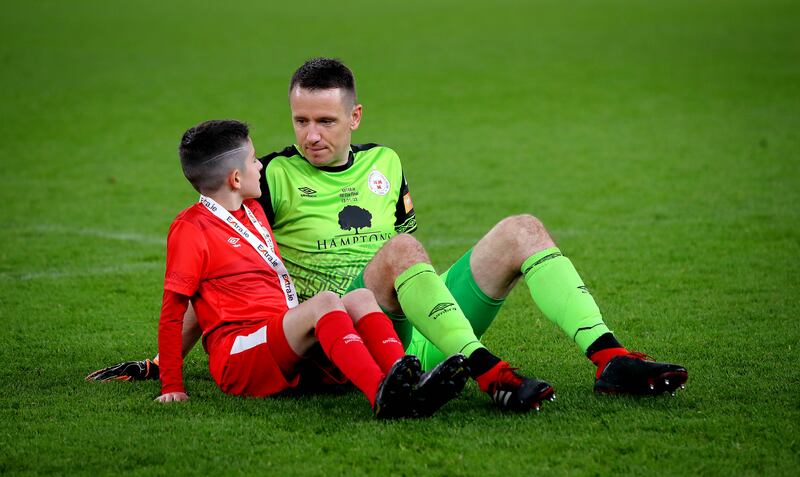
(230, 284)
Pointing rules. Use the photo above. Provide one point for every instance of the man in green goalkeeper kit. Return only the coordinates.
(342, 215)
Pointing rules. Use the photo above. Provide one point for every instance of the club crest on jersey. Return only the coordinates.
(378, 183)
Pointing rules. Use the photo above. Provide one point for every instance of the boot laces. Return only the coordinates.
(508, 378)
(639, 355)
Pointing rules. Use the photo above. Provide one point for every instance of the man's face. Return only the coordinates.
(251, 175)
(324, 121)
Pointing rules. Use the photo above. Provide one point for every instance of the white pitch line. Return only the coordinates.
(87, 272)
(105, 234)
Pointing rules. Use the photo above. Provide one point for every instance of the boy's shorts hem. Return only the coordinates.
(254, 361)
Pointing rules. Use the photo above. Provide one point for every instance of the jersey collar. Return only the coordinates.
(350, 159)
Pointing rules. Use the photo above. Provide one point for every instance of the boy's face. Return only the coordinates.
(324, 121)
(251, 175)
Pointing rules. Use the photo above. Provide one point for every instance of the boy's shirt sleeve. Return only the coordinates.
(170, 326)
(187, 255)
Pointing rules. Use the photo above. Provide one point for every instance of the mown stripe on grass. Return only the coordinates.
(99, 233)
(118, 269)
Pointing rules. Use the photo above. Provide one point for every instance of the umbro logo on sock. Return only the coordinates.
(441, 308)
(584, 289)
(349, 338)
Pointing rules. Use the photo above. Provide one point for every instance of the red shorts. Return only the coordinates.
(254, 360)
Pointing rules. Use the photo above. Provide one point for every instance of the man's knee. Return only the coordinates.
(402, 251)
(395, 257)
(526, 223)
(513, 240)
(525, 230)
(406, 245)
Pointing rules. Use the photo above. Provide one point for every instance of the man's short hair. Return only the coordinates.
(324, 73)
(203, 152)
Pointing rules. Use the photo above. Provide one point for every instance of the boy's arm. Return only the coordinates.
(187, 254)
(170, 325)
(184, 265)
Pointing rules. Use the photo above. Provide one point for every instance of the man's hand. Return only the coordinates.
(173, 397)
(127, 371)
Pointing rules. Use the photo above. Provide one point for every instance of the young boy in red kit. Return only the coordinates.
(222, 258)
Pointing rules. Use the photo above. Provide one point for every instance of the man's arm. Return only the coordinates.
(148, 368)
(405, 220)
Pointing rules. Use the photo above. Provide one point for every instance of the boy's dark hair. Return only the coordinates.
(203, 149)
(324, 73)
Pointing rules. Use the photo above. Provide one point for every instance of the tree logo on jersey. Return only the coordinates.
(353, 217)
(378, 183)
(441, 308)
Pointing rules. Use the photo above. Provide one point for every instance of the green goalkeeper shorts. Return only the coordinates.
(479, 309)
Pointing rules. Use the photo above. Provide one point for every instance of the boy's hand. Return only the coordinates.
(173, 397)
(127, 371)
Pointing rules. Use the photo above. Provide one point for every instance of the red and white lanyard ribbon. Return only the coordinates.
(265, 248)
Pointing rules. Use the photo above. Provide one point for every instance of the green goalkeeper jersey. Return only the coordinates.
(330, 221)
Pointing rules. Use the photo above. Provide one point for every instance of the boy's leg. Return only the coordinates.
(436, 387)
(374, 327)
(323, 318)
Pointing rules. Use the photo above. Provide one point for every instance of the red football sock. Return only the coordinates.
(602, 357)
(345, 348)
(381, 339)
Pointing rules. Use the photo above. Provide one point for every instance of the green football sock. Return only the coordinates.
(560, 293)
(431, 308)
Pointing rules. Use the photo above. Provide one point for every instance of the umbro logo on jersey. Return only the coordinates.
(307, 192)
(584, 289)
(235, 242)
(441, 308)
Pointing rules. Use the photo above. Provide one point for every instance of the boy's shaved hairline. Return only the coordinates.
(210, 150)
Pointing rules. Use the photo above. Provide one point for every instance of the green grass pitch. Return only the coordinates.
(659, 141)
